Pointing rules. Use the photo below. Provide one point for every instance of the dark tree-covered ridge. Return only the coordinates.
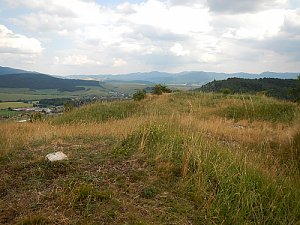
(274, 87)
(42, 81)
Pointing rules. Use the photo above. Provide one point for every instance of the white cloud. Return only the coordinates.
(154, 34)
(17, 43)
(77, 60)
(178, 50)
(259, 25)
(176, 19)
(119, 63)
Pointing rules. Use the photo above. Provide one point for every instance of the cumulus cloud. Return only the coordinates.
(260, 25)
(228, 36)
(77, 60)
(17, 43)
(178, 50)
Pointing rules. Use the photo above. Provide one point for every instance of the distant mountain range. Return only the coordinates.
(188, 77)
(16, 78)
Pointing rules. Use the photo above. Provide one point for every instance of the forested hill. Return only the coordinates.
(42, 81)
(8, 70)
(274, 87)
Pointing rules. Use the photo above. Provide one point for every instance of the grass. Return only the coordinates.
(8, 113)
(14, 94)
(6, 105)
(99, 112)
(179, 158)
(261, 109)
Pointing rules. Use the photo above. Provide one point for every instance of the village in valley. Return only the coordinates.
(29, 111)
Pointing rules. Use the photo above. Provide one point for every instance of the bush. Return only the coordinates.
(139, 95)
(159, 89)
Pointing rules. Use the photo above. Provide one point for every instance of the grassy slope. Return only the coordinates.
(5, 105)
(174, 159)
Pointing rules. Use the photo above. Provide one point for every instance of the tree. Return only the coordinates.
(159, 89)
(139, 95)
(226, 91)
(295, 92)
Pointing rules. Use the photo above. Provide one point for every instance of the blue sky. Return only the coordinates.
(98, 37)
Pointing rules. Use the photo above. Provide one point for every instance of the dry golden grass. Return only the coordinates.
(21, 135)
(213, 160)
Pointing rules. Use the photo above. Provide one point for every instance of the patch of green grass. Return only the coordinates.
(149, 192)
(264, 109)
(14, 94)
(86, 195)
(219, 182)
(8, 113)
(99, 112)
(6, 105)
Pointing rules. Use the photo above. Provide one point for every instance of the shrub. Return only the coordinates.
(139, 95)
(159, 89)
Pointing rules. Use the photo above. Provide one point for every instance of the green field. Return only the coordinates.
(14, 94)
(6, 105)
(7, 113)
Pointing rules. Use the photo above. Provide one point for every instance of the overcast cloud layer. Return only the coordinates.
(96, 37)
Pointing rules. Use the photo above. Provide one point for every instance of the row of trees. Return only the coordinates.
(288, 89)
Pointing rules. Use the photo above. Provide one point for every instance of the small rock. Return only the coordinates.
(22, 121)
(57, 156)
(239, 126)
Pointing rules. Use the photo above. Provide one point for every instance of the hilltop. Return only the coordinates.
(274, 87)
(180, 158)
(9, 70)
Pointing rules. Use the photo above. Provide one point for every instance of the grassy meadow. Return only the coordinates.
(6, 105)
(182, 158)
(15, 94)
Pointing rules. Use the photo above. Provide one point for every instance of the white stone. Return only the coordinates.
(57, 156)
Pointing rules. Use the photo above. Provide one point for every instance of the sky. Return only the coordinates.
(68, 37)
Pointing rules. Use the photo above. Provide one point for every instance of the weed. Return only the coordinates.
(86, 196)
(149, 192)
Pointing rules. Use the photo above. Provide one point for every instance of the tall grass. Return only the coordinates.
(100, 112)
(235, 158)
(224, 185)
(264, 109)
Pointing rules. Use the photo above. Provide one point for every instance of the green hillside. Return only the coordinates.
(274, 87)
(42, 81)
(180, 158)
